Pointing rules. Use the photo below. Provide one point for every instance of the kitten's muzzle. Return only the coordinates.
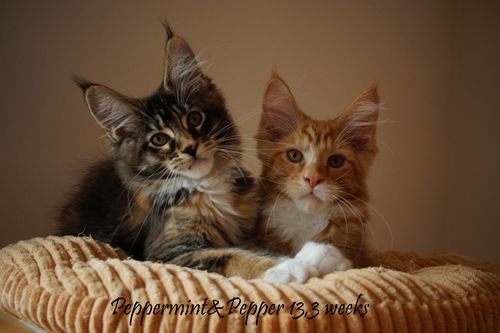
(191, 150)
(313, 181)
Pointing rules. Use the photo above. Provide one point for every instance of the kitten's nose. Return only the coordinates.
(313, 180)
(191, 149)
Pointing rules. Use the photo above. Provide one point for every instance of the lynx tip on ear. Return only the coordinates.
(374, 85)
(274, 72)
(168, 30)
(372, 92)
(84, 84)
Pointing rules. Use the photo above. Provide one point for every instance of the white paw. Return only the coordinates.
(290, 270)
(324, 258)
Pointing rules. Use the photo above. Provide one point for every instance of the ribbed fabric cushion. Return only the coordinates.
(67, 284)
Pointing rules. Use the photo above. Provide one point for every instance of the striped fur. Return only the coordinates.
(173, 189)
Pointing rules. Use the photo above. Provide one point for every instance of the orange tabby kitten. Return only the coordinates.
(314, 183)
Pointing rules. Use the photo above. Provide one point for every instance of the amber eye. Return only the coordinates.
(159, 139)
(194, 118)
(294, 155)
(336, 161)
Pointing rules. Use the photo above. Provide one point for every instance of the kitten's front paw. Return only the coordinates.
(290, 270)
(325, 258)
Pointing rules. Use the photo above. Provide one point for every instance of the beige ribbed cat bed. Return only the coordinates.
(68, 284)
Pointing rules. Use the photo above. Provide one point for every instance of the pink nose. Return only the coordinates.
(313, 180)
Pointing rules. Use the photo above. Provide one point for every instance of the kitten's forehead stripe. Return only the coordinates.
(160, 120)
(180, 112)
(318, 135)
(155, 124)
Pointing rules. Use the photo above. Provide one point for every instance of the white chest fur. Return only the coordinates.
(217, 191)
(292, 225)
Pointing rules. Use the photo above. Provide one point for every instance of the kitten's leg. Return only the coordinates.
(349, 237)
(314, 259)
(226, 261)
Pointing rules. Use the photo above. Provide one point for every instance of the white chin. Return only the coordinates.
(310, 204)
(200, 168)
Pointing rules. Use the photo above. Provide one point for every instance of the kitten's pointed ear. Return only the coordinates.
(359, 122)
(181, 66)
(280, 113)
(113, 111)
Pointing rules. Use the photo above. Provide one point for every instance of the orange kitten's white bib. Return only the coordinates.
(298, 229)
(292, 225)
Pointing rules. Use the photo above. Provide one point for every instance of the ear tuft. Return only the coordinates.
(168, 30)
(182, 73)
(370, 95)
(280, 113)
(81, 82)
(359, 122)
(275, 73)
(115, 113)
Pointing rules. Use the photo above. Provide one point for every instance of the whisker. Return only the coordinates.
(378, 213)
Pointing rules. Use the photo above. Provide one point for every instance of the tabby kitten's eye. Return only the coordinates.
(159, 139)
(294, 155)
(336, 161)
(194, 118)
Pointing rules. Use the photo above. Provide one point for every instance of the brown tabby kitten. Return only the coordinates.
(314, 183)
(173, 189)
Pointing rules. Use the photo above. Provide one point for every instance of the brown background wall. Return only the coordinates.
(436, 181)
